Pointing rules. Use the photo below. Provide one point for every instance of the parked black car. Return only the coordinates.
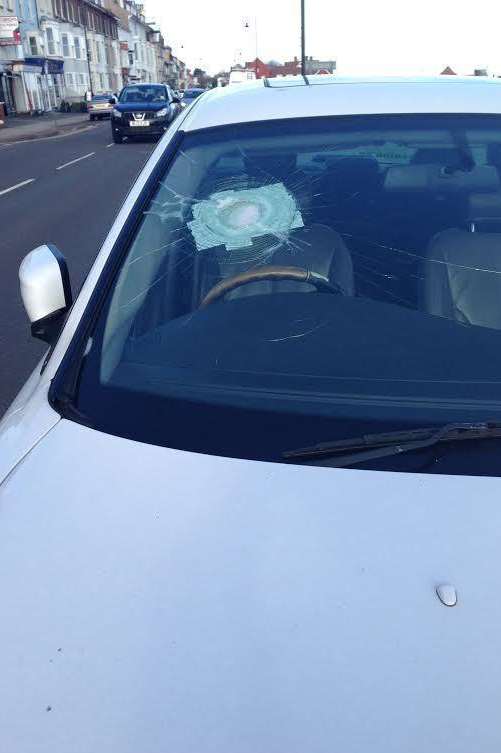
(143, 110)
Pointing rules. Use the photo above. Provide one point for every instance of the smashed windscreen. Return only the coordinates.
(234, 219)
(334, 268)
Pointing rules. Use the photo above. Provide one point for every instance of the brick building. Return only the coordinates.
(290, 67)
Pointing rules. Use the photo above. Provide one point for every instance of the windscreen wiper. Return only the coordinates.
(345, 452)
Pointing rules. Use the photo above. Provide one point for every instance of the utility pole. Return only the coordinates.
(303, 55)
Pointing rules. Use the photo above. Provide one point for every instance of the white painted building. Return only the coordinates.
(84, 36)
(24, 75)
(73, 50)
(104, 57)
(143, 66)
(10, 52)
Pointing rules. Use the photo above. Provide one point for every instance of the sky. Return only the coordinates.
(384, 37)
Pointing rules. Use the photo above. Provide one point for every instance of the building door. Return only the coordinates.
(57, 90)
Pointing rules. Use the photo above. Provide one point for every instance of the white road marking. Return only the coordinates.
(108, 146)
(72, 162)
(18, 185)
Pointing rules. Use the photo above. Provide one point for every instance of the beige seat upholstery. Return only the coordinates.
(462, 277)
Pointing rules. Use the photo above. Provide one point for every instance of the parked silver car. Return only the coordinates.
(100, 106)
(249, 499)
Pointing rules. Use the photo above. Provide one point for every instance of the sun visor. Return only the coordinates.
(436, 178)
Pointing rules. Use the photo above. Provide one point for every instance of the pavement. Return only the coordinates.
(44, 126)
(64, 190)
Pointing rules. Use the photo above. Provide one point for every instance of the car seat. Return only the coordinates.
(462, 269)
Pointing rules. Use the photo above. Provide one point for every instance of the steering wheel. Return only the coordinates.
(297, 274)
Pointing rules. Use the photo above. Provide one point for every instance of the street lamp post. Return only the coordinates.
(86, 20)
(247, 26)
(303, 55)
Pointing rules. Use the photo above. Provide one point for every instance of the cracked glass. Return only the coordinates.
(296, 273)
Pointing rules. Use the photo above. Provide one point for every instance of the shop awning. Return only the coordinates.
(48, 65)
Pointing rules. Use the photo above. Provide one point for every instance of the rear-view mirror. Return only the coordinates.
(45, 290)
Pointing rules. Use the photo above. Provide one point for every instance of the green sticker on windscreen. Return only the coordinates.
(234, 218)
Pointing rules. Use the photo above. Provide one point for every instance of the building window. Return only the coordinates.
(107, 53)
(51, 48)
(81, 79)
(89, 52)
(69, 80)
(66, 46)
(33, 46)
(98, 52)
(76, 41)
(131, 58)
(101, 81)
(10, 5)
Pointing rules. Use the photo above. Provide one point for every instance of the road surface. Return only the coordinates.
(65, 191)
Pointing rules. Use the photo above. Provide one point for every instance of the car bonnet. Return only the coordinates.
(154, 599)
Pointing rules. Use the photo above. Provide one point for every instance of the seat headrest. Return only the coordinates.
(434, 178)
(494, 154)
(484, 206)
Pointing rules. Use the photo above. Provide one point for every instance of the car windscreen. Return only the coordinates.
(293, 282)
(140, 94)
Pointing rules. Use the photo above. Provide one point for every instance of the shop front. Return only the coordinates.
(27, 88)
(6, 90)
(45, 82)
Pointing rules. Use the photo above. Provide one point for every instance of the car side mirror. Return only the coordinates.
(112, 101)
(46, 291)
(176, 100)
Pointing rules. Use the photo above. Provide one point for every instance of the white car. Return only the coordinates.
(250, 500)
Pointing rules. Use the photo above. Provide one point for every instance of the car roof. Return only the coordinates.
(321, 95)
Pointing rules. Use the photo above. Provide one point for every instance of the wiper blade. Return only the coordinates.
(345, 452)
